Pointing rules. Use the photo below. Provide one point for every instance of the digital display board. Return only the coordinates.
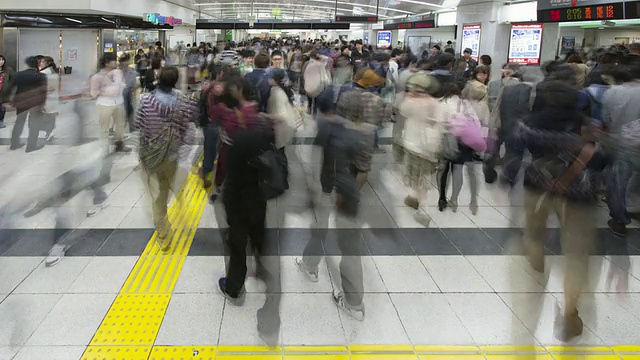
(583, 13)
(384, 40)
(357, 19)
(427, 24)
(471, 39)
(525, 44)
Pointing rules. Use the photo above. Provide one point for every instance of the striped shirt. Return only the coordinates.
(157, 110)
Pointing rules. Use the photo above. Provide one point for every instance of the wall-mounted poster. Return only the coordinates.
(525, 44)
(418, 44)
(384, 40)
(471, 39)
(567, 44)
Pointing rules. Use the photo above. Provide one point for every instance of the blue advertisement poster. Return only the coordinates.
(384, 40)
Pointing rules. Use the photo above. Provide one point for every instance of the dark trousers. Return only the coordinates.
(211, 134)
(21, 119)
(512, 159)
(618, 177)
(250, 226)
(3, 112)
(128, 109)
(447, 167)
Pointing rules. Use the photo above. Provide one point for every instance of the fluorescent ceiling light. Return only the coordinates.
(270, 6)
(74, 20)
(333, 2)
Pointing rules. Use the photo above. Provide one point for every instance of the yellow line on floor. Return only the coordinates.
(131, 325)
(369, 352)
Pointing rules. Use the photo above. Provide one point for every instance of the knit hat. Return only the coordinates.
(423, 82)
(370, 79)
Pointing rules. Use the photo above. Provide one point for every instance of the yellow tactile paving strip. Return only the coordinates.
(364, 352)
(131, 325)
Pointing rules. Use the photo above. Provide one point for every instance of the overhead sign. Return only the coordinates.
(471, 39)
(414, 22)
(583, 13)
(162, 20)
(276, 12)
(558, 4)
(384, 40)
(525, 44)
(357, 19)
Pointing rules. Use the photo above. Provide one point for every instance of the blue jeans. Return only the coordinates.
(211, 135)
(618, 176)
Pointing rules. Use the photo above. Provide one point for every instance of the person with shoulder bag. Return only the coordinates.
(163, 119)
(561, 179)
(7, 75)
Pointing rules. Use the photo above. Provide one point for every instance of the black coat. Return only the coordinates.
(31, 90)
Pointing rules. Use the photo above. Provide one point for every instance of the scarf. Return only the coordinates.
(2, 75)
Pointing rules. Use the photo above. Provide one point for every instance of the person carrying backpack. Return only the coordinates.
(316, 78)
(348, 150)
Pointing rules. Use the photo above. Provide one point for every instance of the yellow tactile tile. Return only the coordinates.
(183, 353)
(315, 349)
(626, 349)
(316, 357)
(133, 319)
(249, 357)
(136, 315)
(384, 357)
(381, 349)
(508, 349)
(455, 349)
(520, 356)
(116, 353)
(452, 357)
(586, 357)
(249, 349)
(578, 349)
(630, 357)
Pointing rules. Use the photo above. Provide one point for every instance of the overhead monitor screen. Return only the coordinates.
(471, 39)
(583, 13)
(525, 44)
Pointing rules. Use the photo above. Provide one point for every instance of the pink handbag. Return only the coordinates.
(467, 128)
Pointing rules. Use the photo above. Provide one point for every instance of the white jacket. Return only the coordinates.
(53, 91)
(424, 126)
(281, 112)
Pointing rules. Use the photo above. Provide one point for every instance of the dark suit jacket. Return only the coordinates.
(31, 90)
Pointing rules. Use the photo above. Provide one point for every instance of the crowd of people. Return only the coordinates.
(580, 125)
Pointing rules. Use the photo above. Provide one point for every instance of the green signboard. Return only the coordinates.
(228, 35)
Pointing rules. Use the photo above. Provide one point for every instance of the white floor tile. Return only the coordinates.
(430, 320)
(213, 217)
(504, 274)
(239, 323)
(488, 217)
(489, 320)
(50, 352)
(103, 275)
(200, 274)
(193, 319)
(406, 217)
(375, 217)
(55, 279)
(7, 352)
(15, 269)
(380, 326)
(108, 218)
(455, 274)
(294, 281)
(600, 269)
(448, 219)
(371, 276)
(311, 319)
(607, 319)
(73, 321)
(20, 316)
(629, 263)
(404, 274)
(138, 218)
(538, 313)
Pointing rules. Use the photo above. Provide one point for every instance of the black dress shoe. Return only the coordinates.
(32, 149)
(16, 147)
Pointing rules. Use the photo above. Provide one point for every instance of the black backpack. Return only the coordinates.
(202, 103)
(273, 170)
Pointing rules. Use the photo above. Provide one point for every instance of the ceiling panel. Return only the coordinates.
(312, 9)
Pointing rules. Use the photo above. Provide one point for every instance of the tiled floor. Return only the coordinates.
(440, 278)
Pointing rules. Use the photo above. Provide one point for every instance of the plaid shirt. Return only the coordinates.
(359, 105)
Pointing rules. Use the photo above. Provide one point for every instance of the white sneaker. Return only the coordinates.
(55, 255)
(95, 210)
(341, 302)
(313, 276)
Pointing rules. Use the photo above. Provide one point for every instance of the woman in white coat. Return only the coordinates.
(52, 106)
